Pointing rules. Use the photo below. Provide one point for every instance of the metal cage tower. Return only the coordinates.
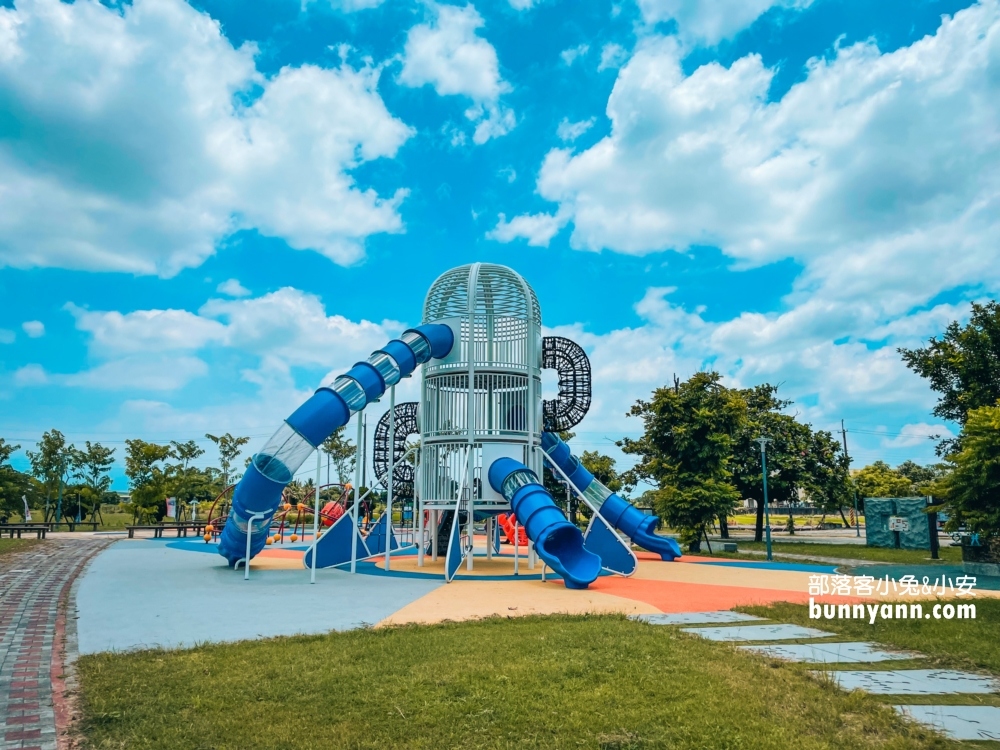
(484, 400)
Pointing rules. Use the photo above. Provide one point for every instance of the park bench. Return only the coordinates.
(39, 530)
(54, 525)
(198, 527)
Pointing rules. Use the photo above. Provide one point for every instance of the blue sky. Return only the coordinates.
(205, 209)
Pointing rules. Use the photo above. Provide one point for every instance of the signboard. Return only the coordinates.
(898, 523)
(171, 508)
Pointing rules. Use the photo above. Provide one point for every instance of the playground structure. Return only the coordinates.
(485, 436)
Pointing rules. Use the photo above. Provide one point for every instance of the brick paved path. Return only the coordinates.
(32, 583)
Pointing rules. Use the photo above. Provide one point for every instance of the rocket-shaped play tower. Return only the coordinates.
(485, 435)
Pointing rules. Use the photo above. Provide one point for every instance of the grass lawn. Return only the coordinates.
(8, 546)
(544, 682)
(779, 519)
(970, 644)
(847, 551)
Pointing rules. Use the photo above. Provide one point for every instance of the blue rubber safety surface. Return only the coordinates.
(146, 594)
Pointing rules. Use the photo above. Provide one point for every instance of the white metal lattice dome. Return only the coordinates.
(499, 291)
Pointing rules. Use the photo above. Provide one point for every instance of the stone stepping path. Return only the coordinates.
(956, 722)
(31, 586)
(695, 618)
(758, 633)
(914, 682)
(829, 653)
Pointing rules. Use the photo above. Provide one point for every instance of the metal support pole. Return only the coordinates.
(392, 468)
(516, 555)
(246, 560)
(62, 470)
(419, 510)
(489, 538)
(767, 515)
(471, 531)
(357, 496)
(319, 468)
(435, 520)
(854, 492)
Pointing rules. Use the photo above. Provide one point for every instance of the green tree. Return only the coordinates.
(49, 464)
(342, 453)
(686, 450)
(229, 450)
(147, 478)
(923, 478)
(185, 482)
(963, 366)
(972, 489)
(786, 453)
(91, 466)
(827, 480)
(603, 469)
(11, 481)
(881, 480)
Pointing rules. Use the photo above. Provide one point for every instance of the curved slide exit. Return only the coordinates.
(257, 496)
(621, 514)
(558, 542)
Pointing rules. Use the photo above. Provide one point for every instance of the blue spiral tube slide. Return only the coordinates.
(558, 542)
(617, 511)
(329, 408)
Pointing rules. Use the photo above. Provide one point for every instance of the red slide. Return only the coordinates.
(507, 523)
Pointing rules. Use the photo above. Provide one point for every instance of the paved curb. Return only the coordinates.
(36, 587)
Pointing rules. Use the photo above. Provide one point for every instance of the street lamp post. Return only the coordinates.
(767, 515)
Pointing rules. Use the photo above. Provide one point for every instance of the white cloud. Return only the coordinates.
(287, 326)
(7, 336)
(889, 152)
(879, 174)
(34, 328)
(140, 155)
(30, 375)
(347, 6)
(570, 55)
(522, 4)
(828, 381)
(294, 327)
(508, 173)
(113, 333)
(139, 373)
(537, 229)
(612, 56)
(449, 55)
(570, 131)
(920, 433)
(711, 21)
(233, 288)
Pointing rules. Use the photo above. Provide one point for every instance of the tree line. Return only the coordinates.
(65, 480)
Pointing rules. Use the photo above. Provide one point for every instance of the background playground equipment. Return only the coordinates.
(485, 435)
(514, 533)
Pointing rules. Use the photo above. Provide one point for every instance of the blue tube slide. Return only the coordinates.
(617, 511)
(558, 542)
(329, 408)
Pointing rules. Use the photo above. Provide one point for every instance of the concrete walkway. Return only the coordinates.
(33, 584)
